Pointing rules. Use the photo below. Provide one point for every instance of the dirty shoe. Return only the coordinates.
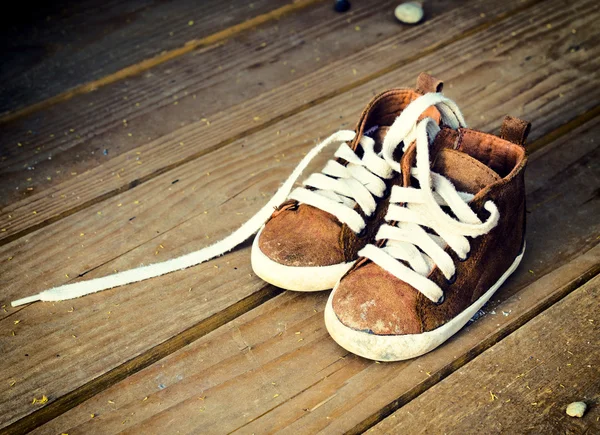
(313, 238)
(454, 233)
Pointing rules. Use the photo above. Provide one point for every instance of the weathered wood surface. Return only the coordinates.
(69, 44)
(254, 90)
(527, 61)
(522, 384)
(39, 261)
(79, 126)
(276, 368)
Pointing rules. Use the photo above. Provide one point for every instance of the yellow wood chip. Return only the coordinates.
(41, 401)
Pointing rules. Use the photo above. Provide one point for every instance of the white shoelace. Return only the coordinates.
(337, 190)
(362, 178)
(408, 241)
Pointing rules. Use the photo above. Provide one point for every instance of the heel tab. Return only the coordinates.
(427, 83)
(515, 130)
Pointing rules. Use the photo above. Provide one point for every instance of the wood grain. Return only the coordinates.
(110, 336)
(565, 94)
(78, 47)
(300, 366)
(249, 152)
(190, 88)
(239, 88)
(522, 384)
(276, 369)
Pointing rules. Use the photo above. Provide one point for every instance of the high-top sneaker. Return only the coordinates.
(454, 233)
(313, 238)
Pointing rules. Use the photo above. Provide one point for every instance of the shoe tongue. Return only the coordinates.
(466, 173)
(378, 135)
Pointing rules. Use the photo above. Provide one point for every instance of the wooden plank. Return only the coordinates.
(252, 375)
(238, 363)
(231, 99)
(85, 43)
(112, 174)
(43, 330)
(522, 384)
(199, 83)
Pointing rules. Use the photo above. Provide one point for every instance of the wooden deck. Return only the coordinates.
(133, 132)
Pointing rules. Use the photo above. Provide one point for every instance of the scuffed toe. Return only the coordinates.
(301, 237)
(370, 299)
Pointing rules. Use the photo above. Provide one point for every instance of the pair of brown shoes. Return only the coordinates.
(415, 224)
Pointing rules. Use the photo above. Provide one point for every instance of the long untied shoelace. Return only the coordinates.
(336, 190)
(412, 210)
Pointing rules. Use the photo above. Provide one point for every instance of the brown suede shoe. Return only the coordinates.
(454, 233)
(313, 238)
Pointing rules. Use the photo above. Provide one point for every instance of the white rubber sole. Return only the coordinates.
(304, 279)
(401, 347)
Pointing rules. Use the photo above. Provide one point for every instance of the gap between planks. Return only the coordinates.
(77, 422)
(199, 85)
(534, 146)
(555, 124)
(492, 394)
(134, 365)
(271, 122)
(161, 58)
(392, 407)
(86, 391)
(388, 398)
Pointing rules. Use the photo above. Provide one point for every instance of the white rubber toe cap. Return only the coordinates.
(401, 347)
(305, 279)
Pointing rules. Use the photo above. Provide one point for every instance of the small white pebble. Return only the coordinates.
(409, 12)
(576, 409)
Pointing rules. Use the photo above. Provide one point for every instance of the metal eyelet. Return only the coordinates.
(466, 257)
(441, 300)
(387, 191)
(452, 280)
